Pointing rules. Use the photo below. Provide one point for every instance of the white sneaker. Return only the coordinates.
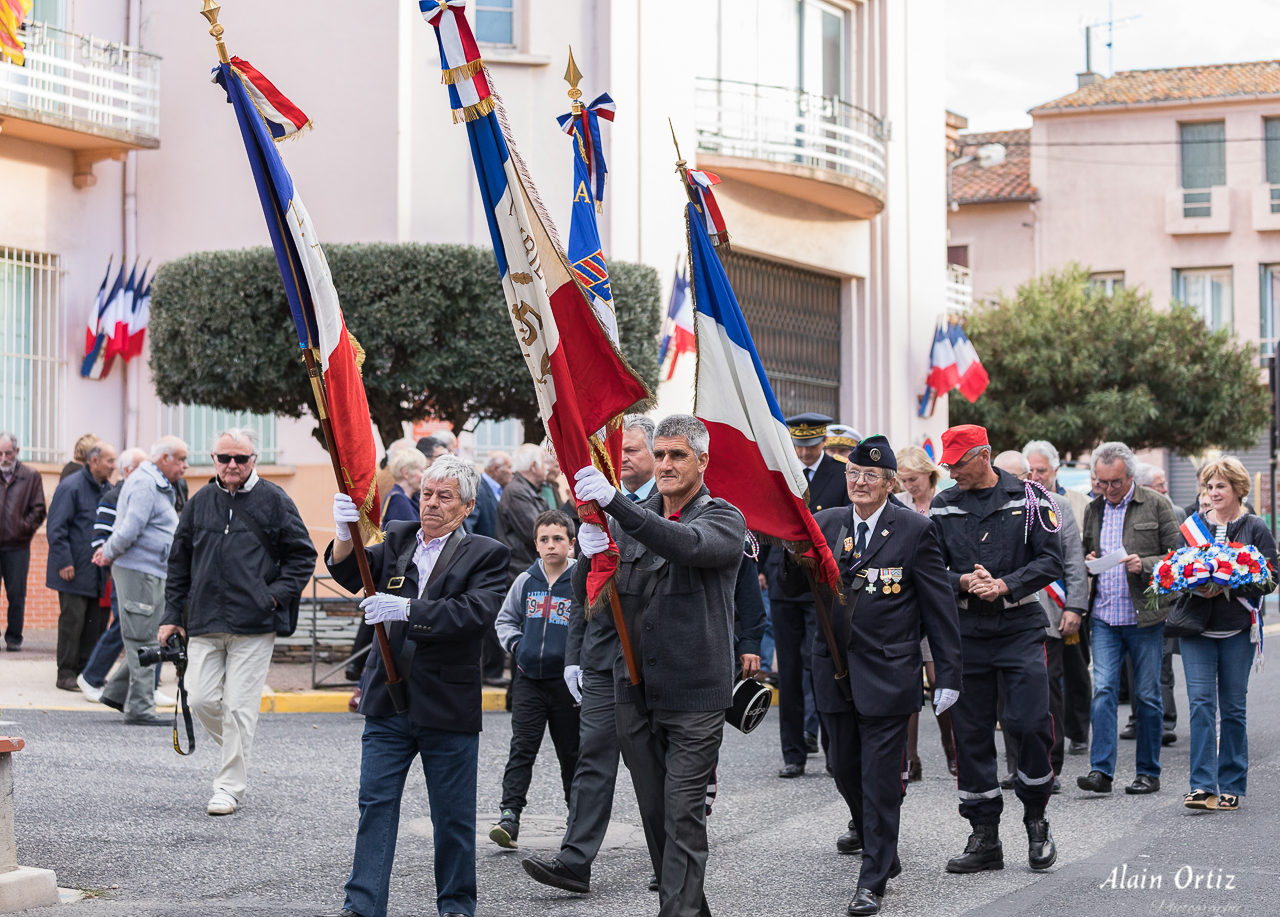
(164, 700)
(222, 803)
(89, 691)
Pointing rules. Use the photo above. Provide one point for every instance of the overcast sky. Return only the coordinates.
(1006, 56)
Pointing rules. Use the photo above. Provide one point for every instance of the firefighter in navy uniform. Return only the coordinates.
(999, 560)
(794, 618)
(896, 591)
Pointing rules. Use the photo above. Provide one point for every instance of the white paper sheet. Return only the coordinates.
(1103, 564)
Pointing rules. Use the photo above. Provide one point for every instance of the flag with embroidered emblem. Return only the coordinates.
(582, 382)
(308, 285)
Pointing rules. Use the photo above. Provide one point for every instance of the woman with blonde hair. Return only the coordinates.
(1217, 661)
(401, 501)
(919, 478)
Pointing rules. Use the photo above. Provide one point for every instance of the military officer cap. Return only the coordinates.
(840, 435)
(874, 452)
(808, 429)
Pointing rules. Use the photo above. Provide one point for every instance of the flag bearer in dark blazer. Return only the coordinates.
(439, 591)
(793, 617)
(896, 591)
(1000, 542)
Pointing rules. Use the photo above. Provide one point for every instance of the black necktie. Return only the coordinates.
(808, 475)
(862, 538)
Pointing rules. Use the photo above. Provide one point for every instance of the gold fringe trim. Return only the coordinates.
(310, 125)
(473, 112)
(360, 354)
(603, 600)
(370, 533)
(465, 72)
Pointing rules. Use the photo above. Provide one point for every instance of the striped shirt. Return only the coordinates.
(1112, 603)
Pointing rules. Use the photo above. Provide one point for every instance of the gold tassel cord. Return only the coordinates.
(465, 72)
(360, 354)
(473, 112)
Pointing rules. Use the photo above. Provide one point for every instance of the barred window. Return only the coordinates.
(30, 346)
(199, 425)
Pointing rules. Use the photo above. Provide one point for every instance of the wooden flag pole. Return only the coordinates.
(824, 620)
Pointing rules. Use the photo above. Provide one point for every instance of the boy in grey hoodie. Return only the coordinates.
(138, 552)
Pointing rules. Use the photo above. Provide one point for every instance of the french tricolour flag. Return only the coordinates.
(953, 363)
(1196, 531)
(753, 463)
(1058, 592)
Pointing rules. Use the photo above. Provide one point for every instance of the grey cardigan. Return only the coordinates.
(145, 523)
(683, 638)
(1074, 576)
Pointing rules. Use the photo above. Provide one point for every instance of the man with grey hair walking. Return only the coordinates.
(240, 559)
(679, 554)
(138, 554)
(21, 512)
(1136, 525)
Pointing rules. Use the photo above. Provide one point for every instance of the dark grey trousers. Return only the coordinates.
(591, 795)
(670, 753)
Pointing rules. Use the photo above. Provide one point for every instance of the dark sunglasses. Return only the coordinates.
(224, 459)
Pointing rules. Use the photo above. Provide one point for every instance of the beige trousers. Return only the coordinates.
(225, 677)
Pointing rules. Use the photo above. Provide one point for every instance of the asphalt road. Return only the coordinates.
(108, 805)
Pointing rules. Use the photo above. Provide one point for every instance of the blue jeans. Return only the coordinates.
(766, 641)
(388, 747)
(1217, 674)
(1145, 646)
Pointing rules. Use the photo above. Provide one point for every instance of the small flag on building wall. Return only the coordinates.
(953, 363)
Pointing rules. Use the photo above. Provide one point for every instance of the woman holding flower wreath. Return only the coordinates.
(1217, 661)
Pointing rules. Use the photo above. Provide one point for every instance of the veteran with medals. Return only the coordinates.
(896, 591)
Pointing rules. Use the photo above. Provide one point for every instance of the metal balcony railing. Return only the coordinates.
(789, 126)
(86, 82)
(959, 289)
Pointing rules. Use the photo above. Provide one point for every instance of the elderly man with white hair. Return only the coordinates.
(439, 591)
(22, 510)
(138, 553)
(240, 559)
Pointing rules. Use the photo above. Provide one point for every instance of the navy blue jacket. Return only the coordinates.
(72, 513)
(484, 515)
(534, 621)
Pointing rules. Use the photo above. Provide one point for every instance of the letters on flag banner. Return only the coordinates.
(581, 379)
(765, 480)
(265, 116)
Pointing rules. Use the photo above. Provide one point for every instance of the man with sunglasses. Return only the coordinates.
(1000, 543)
(241, 557)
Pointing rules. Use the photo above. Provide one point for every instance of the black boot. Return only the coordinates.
(850, 841)
(982, 852)
(1041, 851)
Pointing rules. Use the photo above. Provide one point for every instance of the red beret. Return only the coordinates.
(956, 441)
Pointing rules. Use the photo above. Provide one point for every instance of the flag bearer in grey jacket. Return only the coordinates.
(679, 554)
(138, 552)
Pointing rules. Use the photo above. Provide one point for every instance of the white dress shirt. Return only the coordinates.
(425, 557)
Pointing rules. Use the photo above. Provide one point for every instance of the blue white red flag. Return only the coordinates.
(140, 318)
(97, 340)
(118, 314)
(308, 285)
(581, 380)
(708, 209)
(679, 337)
(585, 129)
(953, 363)
(1057, 591)
(1196, 531)
(973, 376)
(765, 478)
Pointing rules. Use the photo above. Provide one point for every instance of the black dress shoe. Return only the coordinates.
(1006, 782)
(914, 773)
(345, 912)
(850, 841)
(653, 883)
(811, 743)
(1095, 782)
(1169, 737)
(113, 704)
(556, 874)
(791, 770)
(12, 646)
(1077, 748)
(1130, 730)
(147, 721)
(353, 670)
(983, 851)
(1056, 788)
(896, 869)
(1143, 784)
(865, 901)
(1041, 850)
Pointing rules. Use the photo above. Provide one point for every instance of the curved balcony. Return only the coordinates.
(806, 146)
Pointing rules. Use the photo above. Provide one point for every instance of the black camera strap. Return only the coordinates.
(186, 716)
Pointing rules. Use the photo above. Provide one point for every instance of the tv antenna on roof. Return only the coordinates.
(1110, 22)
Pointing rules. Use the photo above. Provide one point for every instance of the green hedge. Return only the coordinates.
(431, 319)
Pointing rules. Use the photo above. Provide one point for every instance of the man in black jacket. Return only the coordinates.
(794, 617)
(229, 597)
(679, 556)
(71, 571)
(439, 591)
(1001, 547)
(896, 591)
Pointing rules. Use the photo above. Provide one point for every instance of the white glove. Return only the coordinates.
(944, 698)
(345, 511)
(592, 539)
(381, 608)
(573, 678)
(593, 485)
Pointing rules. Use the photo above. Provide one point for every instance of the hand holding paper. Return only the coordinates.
(1105, 563)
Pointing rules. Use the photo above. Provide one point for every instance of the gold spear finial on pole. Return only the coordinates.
(210, 12)
(573, 76)
(682, 167)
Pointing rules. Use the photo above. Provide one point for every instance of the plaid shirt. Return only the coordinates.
(1112, 604)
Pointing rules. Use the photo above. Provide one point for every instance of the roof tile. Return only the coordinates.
(1209, 82)
(1009, 181)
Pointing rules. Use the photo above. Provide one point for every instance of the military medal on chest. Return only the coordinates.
(885, 578)
(896, 575)
(873, 574)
